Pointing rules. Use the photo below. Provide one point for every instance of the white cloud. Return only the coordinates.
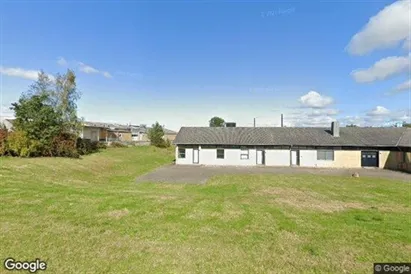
(5, 109)
(106, 74)
(315, 100)
(323, 112)
(89, 69)
(62, 62)
(384, 30)
(403, 86)
(378, 111)
(19, 72)
(382, 69)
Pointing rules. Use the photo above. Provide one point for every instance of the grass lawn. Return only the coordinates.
(89, 216)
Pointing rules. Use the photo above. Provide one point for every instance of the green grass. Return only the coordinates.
(89, 216)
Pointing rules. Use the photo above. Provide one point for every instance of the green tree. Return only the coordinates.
(61, 94)
(405, 124)
(156, 135)
(65, 96)
(351, 125)
(216, 122)
(37, 119)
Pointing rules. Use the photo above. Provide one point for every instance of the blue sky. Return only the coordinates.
(180, 62)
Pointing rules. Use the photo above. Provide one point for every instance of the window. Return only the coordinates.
(244, 153)
(220, 153)
(181, 153)
(325, 155)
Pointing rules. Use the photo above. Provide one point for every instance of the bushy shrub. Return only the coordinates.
(101, 145)
(20, 145)
(64, 145)
(85, 146)
(3, 141)
(117, 144)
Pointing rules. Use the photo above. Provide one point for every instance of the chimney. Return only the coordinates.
(282, 120)
(335, 129)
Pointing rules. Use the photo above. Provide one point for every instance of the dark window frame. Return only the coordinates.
(220, 150)
(244, 153)
(181, 155)
(325, 155)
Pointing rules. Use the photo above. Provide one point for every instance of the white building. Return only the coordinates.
(348, 147)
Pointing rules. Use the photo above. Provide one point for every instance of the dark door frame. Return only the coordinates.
(262, 156)
(368, 152)
(297, 157)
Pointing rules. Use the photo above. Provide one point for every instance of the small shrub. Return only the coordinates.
(101, 145)
(20, 145)
(117, 144)
(3, 141)
(85, 146)
(64, 145)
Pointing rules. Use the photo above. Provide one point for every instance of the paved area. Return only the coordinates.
(200, 174)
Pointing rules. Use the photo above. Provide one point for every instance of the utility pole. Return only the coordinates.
(282, 120)
(254, 122)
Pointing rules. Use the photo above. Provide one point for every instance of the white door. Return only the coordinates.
(260, 157)
(196, 156)
(293, 157)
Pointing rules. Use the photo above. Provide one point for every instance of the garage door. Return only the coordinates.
(369, 158)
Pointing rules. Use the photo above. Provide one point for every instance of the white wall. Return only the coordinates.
(308, 158)
(188, 160)
(277, 157)
(280, 157)
(208, 156)
(87, 133)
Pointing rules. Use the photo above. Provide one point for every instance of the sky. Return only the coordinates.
(182, 62)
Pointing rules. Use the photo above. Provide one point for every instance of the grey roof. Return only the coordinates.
(169, 132)
(349, 136)
(405, 140)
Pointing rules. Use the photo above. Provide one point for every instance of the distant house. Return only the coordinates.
(347, 147)
(170, 134)
(8, 123)
(98, 131)
(140, 133)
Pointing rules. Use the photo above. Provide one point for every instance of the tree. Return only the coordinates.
(65, 97)
(216, 122)
(405, 124)
(156, 135)
(351, 125)
(61, 94)
(37, 119)
(45, 113)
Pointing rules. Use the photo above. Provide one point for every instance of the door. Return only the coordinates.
(260, 157)
(196, 156)
(294, 158)
(93, 135)
(369, 158)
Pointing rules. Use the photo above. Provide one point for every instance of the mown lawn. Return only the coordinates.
(89, 216)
